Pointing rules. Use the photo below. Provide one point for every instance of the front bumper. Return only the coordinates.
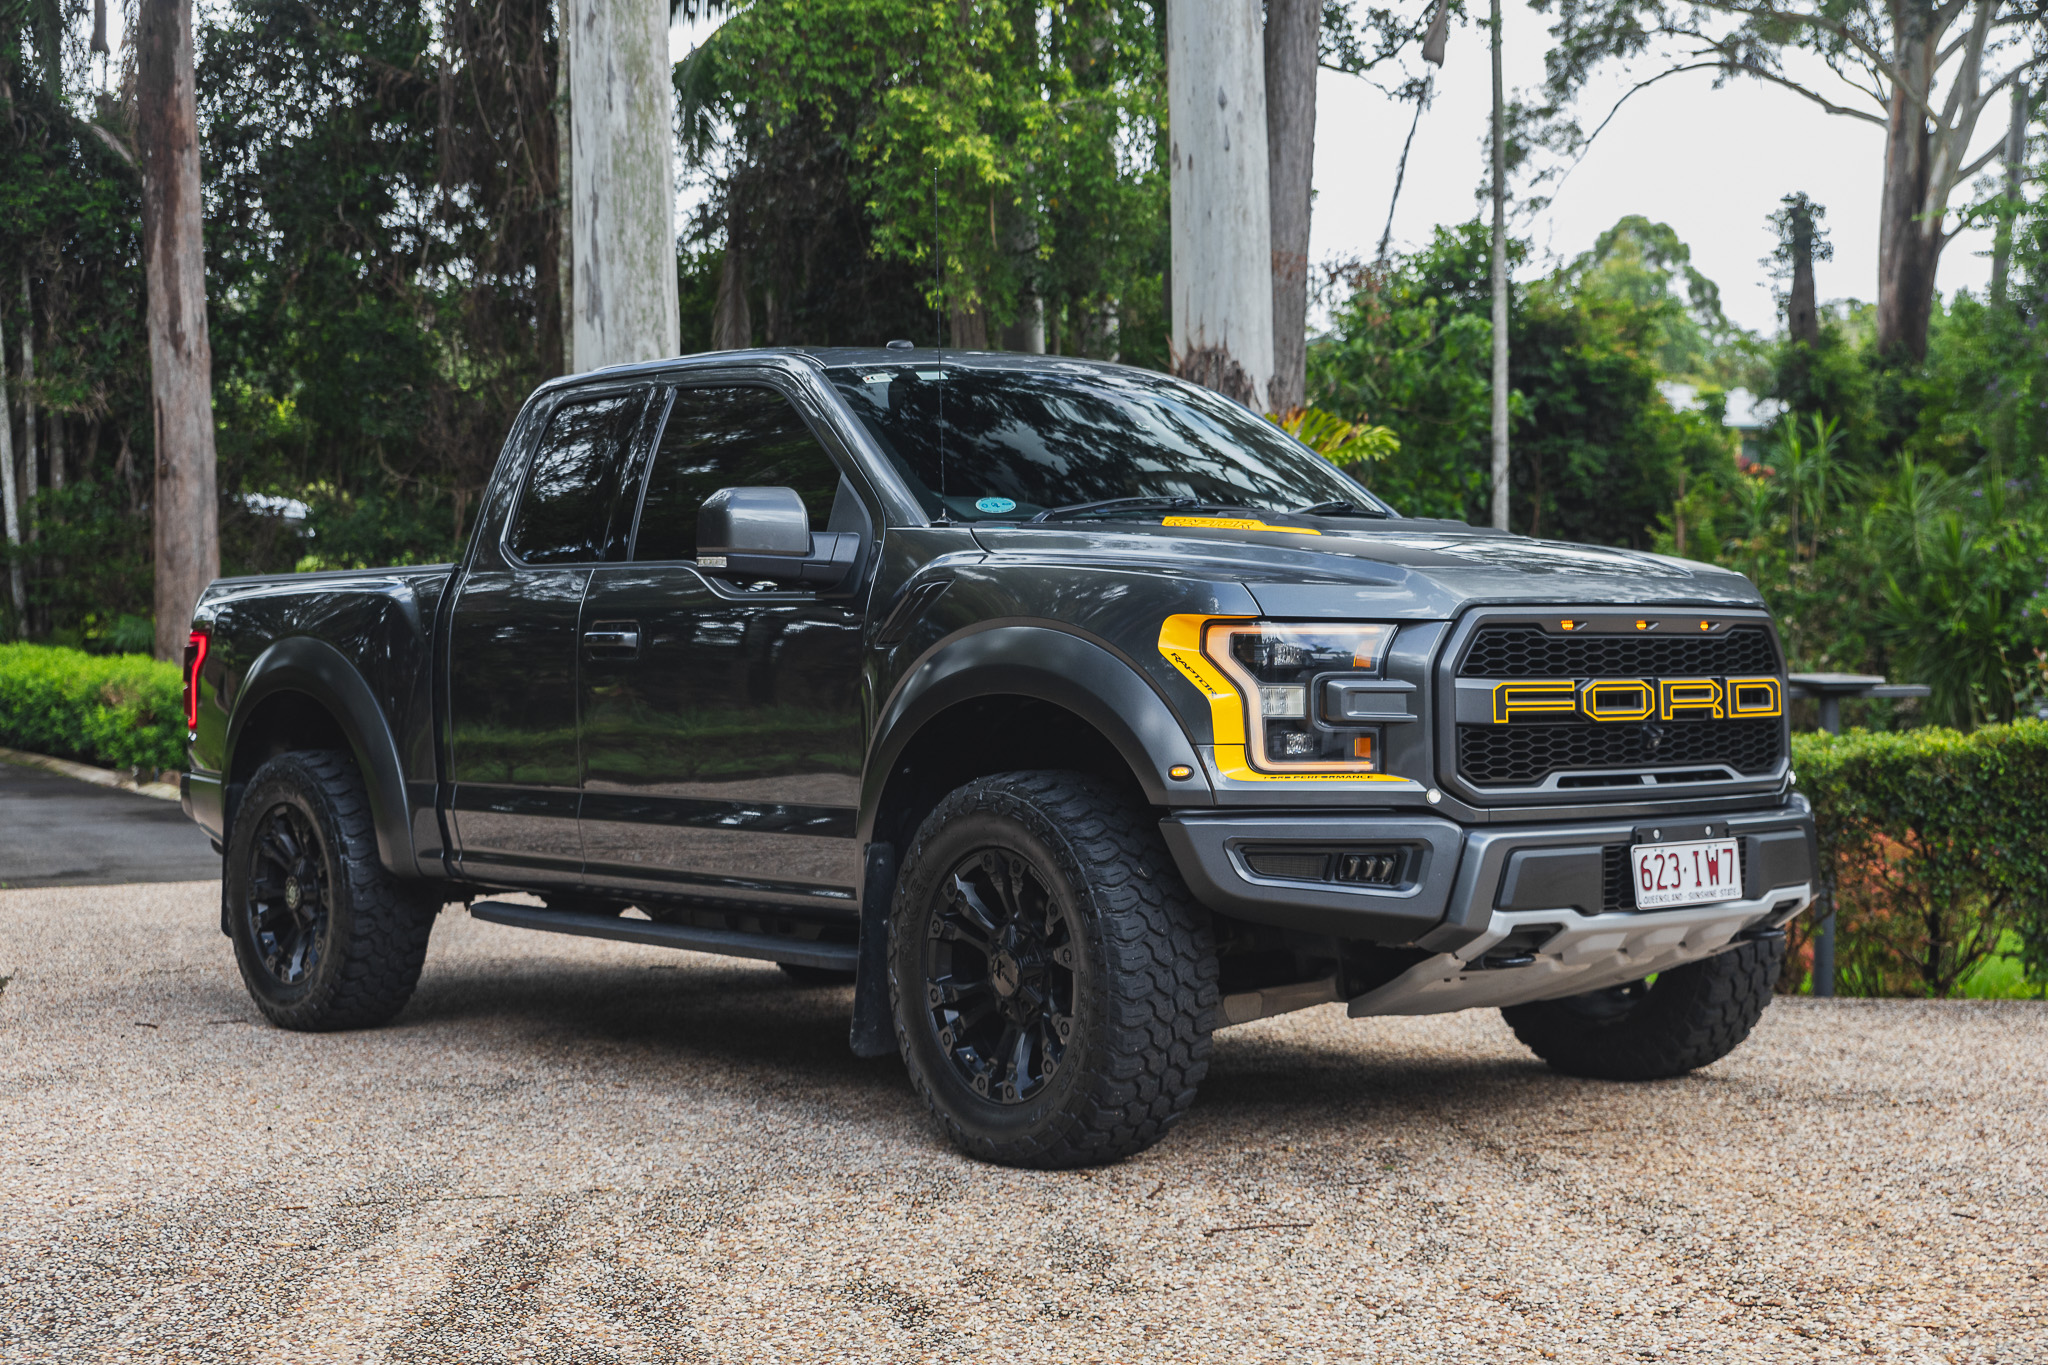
(1465, 891)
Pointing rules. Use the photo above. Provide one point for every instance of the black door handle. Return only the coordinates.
(613, 639)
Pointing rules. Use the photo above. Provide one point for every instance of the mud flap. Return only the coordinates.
(873, 1033)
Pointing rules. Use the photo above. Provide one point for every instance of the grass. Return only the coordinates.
(1998, 977)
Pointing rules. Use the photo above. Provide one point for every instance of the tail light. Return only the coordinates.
(195, 659)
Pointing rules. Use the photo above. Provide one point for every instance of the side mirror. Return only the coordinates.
(766, 533)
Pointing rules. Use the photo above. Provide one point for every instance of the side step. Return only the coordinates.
(767, 947)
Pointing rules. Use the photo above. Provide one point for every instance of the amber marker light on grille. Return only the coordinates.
(1361, 748)
(1642, 625)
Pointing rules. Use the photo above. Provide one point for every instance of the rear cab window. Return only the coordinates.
(572, 485)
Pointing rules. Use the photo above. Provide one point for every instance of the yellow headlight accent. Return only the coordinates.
(1181, 640)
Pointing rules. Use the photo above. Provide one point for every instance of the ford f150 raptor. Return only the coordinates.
(1068, 711)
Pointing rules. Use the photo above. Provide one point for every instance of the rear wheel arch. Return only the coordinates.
(304, 694)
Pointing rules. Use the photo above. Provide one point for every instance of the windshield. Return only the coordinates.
(1021, 442)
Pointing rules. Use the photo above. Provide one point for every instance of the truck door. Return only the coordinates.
(721, 722)
(513, 649)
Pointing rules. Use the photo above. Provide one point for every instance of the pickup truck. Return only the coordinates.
(1067, 711)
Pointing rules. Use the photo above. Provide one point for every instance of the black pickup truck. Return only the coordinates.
(1068, 711)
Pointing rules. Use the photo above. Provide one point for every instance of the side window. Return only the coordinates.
(728, 438)
(568, 498)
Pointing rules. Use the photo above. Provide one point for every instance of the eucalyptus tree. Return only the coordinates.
(1922, 70)
(186, 505)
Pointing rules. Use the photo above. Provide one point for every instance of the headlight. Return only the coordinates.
(1278, 669)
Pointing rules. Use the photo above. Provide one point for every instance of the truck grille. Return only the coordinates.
(1525, 652)
(1610, 754)
(1520, 756)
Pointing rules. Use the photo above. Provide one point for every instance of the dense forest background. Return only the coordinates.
(383, 235)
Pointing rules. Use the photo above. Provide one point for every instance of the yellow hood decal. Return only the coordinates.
(1236, 524)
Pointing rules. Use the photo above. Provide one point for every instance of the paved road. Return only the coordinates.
(575, 1151)
(58, 831)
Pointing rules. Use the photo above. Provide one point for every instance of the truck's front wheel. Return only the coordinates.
(1648, 1030)
(1054, 986)
(325, 938)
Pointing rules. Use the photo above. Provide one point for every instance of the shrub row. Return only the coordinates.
(119, 711)
(1935, 845)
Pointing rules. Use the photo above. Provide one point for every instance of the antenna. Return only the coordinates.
(939, 335)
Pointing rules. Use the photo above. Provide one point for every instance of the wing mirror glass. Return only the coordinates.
(754, 533)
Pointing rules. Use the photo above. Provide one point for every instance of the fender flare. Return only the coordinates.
(1067, 670)
(320, 672)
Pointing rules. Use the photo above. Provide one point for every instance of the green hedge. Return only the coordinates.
(1936, 845)
(119, 711)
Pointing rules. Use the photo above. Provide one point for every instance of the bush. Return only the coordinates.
(1937, 846)
(120, 711)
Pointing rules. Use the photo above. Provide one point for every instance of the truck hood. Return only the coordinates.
(1406, 567)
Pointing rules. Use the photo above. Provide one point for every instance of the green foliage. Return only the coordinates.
(1642, 264)
(382, 236)
(889, 158)
(1348, 445)
(1597, 453)
(124, 711)
(1936, 845)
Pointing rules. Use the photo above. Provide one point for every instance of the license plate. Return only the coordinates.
(1686, 874)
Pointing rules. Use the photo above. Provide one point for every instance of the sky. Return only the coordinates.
(1711, 163)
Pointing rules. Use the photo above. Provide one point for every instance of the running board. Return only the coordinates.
(732, 943)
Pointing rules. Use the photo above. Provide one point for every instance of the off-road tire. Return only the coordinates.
(1689, 1016)
(373, 939)
(1140, 976)
(805, 975)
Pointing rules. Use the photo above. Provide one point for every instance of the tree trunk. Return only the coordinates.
(1221, 199)
(623, 207)
(1802, 312)
(1500, 295)
(732, 321)
(565, 200)
(187, 513)
(8, 506)
(2015, 165)
(31, 459)
(1908, 244)
(1292, 27)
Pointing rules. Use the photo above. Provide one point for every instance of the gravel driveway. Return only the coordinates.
(567, 1150)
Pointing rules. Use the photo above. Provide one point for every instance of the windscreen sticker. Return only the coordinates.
(1236, 524)
(995, 505)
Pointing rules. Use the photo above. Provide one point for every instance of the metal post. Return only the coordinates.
(1824, 946)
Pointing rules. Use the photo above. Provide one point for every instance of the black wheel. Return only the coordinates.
(1053, 984)
(1647, 1030)
(324, 936)
(816, 976)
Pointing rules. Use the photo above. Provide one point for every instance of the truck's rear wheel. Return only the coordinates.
(1687, 1017)
(325, 938)
(1053, 984)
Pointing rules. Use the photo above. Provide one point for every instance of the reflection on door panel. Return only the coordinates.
(722, 760)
